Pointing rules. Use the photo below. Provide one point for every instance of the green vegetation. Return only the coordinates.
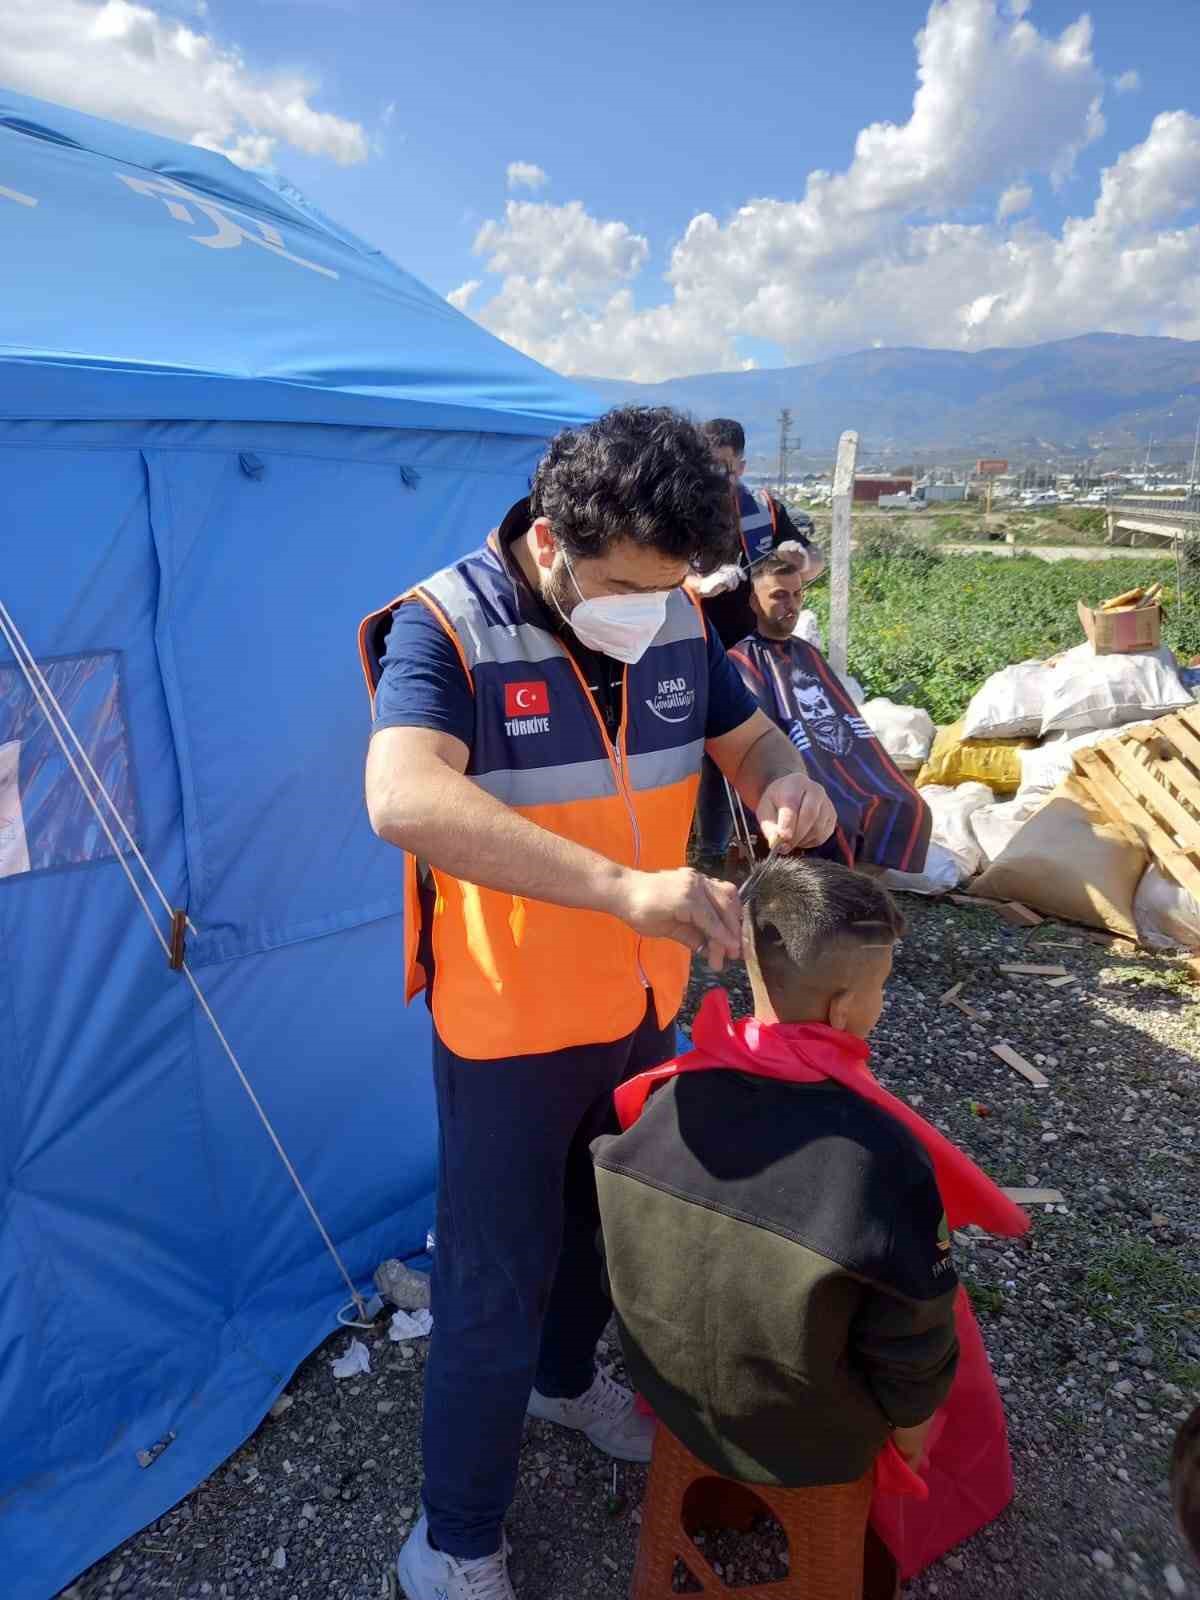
(1136, 1282)
(988, 1302)
(938, 625)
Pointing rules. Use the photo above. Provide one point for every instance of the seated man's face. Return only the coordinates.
(777, 598)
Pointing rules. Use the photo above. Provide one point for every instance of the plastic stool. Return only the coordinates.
(826, 1529)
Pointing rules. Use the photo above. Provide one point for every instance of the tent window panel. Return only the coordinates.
(46, 821)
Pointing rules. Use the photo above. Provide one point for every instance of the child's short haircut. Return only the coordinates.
(808, 917)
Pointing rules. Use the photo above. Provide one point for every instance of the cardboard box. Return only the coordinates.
(1122, 633)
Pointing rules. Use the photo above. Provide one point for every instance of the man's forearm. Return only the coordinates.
(444, 818)
(771, 756)
(419, 799)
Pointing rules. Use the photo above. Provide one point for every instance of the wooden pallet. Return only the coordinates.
(1147, 784)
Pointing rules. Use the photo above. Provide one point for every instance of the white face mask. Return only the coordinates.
(619, 625)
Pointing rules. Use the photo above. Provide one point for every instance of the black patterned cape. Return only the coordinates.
(882, 820)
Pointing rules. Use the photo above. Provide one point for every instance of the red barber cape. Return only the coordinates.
(966, 1477)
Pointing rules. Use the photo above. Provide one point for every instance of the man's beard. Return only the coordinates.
(558, 594)
(771, 629)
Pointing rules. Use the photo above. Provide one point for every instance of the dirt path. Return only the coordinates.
(1060, 552)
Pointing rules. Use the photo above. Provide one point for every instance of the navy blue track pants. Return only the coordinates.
(518, 1282)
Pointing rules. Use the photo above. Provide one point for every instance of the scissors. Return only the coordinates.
(752, 879)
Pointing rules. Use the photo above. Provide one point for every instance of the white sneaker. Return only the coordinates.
(605, 1414)
(429, 1574)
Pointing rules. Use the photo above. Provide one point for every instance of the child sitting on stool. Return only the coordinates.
(776, 1233)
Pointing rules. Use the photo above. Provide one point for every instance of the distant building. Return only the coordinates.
(868, 486)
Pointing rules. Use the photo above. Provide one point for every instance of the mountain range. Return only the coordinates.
(1101, 394)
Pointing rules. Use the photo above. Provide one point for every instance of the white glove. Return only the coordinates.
(718, 582)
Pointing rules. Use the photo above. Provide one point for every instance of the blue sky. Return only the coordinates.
(647, 113)
(649, 117)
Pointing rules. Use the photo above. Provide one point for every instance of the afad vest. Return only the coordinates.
(756, 523)
(515, 976)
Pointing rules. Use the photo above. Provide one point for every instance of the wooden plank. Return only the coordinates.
(1012, 911)
(1018, 1063)
(1155, 838)
(1111, 799)
(1185, 787)
(1019, 916)
(1032, 969)
(1060, 983)
(1182, 737)
(1036, 1197)
(1144, 787)
(967, 1011)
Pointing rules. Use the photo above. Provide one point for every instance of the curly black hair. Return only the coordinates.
(723, 433)
(642, 473)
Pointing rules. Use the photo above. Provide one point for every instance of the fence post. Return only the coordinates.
(839, 555)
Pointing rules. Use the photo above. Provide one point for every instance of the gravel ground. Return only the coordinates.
(1093, 1324)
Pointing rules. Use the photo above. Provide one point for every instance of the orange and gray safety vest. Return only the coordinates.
(514, 976)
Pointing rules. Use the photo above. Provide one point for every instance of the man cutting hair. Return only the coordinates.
(758, 526)
(541, 709)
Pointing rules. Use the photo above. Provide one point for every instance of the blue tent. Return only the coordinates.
(228, 430)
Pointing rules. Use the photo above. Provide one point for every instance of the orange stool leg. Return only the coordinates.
(826, 1529)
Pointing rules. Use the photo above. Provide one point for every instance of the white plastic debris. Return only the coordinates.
(407, 1325)
(905, 732)
(356, 1360)
(809, 629)
(1166, 915)
(941, 873)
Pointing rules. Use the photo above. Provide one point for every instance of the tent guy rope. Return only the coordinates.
(57, 720)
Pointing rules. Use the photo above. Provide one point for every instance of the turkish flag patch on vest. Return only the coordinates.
(527, 699)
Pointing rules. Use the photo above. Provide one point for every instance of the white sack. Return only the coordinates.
(1087, 691)
(809, 630)
(952, 810)
(1010, 703)
(1043, 769)
(942, 873)
(905, 732)
(996, 826)
(1167, 917)
(852, 687)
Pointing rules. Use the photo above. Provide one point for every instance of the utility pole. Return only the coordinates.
(1195, 462)
(839, 555)
(785, 428)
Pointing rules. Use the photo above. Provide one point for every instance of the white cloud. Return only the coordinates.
(461, 297)
(135, 64)
(1129, 82)
(525, 175)
(877, 253)
(1015, 199)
